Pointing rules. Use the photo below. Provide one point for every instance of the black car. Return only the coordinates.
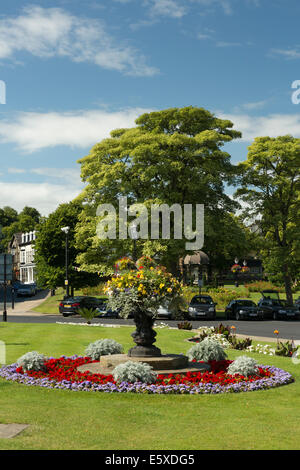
(275, 308)
(297, 304)
(71, 305)
(202, 306)
(242, 309)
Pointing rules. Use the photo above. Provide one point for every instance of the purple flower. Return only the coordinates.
(279, 377)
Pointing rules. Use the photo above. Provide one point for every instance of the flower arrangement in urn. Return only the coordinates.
(236, 268)
(139, 291)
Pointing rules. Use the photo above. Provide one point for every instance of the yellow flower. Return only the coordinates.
(161, 286)
(169, 289)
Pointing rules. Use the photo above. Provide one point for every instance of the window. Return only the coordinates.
(23, 256)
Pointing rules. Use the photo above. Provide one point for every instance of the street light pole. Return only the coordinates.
(66, 231)
(5, 292)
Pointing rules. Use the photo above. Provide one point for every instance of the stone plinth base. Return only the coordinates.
(165, 364)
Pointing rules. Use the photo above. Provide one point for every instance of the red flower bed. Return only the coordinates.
(217, 375)
(65, 368)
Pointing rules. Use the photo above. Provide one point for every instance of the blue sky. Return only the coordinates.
(75, 70)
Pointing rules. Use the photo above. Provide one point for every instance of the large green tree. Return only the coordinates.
(12, 223)
(50, 250)
(270, 185)
(173, 156)
(227, 238)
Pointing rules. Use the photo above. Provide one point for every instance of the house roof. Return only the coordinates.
(16, 236)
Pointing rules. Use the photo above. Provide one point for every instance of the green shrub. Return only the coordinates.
(207, 350)
(32, 361)
(103, 347)
(239, 344)
(132, 371)
(95, 290)
(286, 349)
(243, 365)
(258, 286)
(185, 325)
(88, 314)
(226, 338)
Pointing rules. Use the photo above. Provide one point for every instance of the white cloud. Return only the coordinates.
(70, 175)
(31, 132)
(287, 53)
(251, 106)
(16, 170)
(169, 8)
(34, 131)
(273, 125)
(53, 32)
(227, 44)
(254, 105)
(226, 5)
(43, 196)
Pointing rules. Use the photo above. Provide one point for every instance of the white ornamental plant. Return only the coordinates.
(103, 347)
(243, 365)
(32, 361)
(132, 371)
(207, 350)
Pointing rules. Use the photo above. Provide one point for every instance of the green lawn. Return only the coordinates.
(80, 420)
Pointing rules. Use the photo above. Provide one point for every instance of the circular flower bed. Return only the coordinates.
(62, 373)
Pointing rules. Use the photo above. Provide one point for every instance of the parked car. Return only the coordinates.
(104, 311)
(16, 284)
(164, 312)
(242, 309)
(297, 304)
(71, 305)
(275, 308)
(33, 286)
(25, 290)
(202, 306)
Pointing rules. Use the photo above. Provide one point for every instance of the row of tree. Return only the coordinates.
(177, 156)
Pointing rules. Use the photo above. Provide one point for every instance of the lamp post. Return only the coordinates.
(13, 253)
(66, 231)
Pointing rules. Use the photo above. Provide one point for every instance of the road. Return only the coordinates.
(256, 329)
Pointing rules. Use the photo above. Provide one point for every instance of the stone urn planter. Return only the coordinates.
(144, 336)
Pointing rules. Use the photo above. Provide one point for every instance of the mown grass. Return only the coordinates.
(79, 420)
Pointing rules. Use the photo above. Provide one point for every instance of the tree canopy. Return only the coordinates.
(50, 250)
(270, 185)
(12, 222)
(173, 156)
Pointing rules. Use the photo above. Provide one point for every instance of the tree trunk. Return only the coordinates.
(288, 284)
